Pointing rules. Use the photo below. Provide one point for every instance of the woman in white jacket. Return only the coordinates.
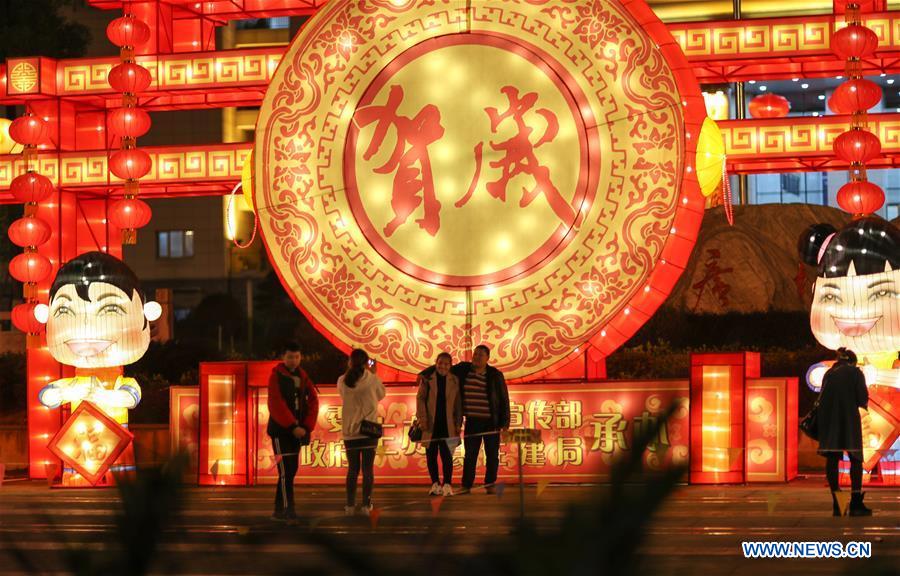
(360, 391)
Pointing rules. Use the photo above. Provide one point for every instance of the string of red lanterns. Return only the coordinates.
(855, 97)
(129, 123)
(30, 231)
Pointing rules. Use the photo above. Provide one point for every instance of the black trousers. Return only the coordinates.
(360, 455)
(287, 452)
(473, 437)
(831, 471)
(431, 457)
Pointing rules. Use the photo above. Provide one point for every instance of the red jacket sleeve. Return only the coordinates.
(278, 408)
(312, 405)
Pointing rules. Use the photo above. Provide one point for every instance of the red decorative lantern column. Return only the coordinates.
(855, 97)
(129, 123)
(29, 232)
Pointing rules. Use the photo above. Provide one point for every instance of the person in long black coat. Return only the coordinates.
(843, 393)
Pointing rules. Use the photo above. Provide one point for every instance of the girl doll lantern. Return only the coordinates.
(856, 305)
(856, 297)
(97, 321)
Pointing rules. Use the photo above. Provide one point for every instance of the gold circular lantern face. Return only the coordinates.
(483, 176)
(433, 176)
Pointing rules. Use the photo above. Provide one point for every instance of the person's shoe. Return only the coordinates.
(447, 490)
(435, 489)
(349, 510)
(490, 489)
(278, 517)
(857, 508)
(367, 509)
(835, 505)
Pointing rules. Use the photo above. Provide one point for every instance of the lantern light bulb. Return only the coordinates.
(152, 311)
(42, 313)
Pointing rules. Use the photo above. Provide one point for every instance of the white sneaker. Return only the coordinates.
(349, 510)
(435, 489)
(366, 510)
(447, 490)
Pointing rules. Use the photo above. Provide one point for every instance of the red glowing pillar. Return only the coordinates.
(718, 389)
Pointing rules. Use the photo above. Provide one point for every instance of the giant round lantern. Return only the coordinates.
(434, 176)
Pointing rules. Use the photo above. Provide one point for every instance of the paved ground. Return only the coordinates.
(227, 531)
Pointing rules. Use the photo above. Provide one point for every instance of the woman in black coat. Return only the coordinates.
(843, 393)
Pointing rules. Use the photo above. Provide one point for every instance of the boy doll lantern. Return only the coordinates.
(97, 321)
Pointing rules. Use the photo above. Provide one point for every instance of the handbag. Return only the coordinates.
(415, 431)
(810, 423)
(371, 429)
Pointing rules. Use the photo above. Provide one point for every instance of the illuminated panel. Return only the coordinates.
(184, 424)
(90, 441)
(716, 397)
(223, 401)
(881, 431)
(221, 425)
(717, 415)
(771, 454)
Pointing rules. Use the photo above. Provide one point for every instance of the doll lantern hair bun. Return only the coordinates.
(812, 243)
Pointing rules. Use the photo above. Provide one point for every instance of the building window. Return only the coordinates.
(279, 23)
(175, 244)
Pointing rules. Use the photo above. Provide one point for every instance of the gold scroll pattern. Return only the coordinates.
(170, 166)
(178, 72)
(775, 36)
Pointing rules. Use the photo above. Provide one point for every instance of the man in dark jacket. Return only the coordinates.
(485, 400)
(293, 410)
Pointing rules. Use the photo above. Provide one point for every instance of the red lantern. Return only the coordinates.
(23, 318)
(769, 106)
(853, 96)
(29, 130)
(128, 31)
(129, 77)
(130, 164)
(31, 187)
(130, 122)
(854, 41)
(857, 146)
(30, 267)
(26, 232)
(130, 214)
(860, 197)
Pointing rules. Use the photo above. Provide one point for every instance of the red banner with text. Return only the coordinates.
(583, 427)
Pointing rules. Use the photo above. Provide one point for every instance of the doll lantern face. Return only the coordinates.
(110, 330)
(861, 313)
